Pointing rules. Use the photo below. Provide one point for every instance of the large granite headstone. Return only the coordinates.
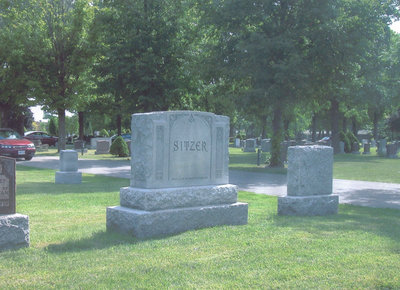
(14, 227)
(309, 186)
(68, 173)
(179, 176)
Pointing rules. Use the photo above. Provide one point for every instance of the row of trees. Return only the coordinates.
(272, 62)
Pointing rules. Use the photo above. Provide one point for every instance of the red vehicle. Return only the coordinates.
(42, 136)
(13, 145)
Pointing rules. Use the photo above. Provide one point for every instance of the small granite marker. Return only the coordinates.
(309, 187)
(68, 173)
(14, 227)
(179, 176)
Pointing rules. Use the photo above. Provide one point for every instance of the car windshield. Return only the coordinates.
(9, 134)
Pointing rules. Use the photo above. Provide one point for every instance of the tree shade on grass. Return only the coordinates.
(70, 248)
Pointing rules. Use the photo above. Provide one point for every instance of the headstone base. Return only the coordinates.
(148, 224)
(308, 205)
(178, 197)
(14, 231)
(65, 177)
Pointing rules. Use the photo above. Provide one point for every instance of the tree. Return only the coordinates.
(63, 54)
(138, 65)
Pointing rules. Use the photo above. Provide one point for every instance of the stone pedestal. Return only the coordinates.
(68, 173)
(14, 231)
(179, 178)
(309, 187)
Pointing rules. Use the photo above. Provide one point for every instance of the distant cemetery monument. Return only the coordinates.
(14, 227)
(309, 182)
(179, 176)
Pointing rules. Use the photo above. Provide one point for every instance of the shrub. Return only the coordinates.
(104, 133)
(119, 147)
(347, 145)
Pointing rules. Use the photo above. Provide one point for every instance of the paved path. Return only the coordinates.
(372, 194)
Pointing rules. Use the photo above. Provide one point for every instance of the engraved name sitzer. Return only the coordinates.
(195, 146)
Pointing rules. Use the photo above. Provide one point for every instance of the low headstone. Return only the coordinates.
(93, 141)
(309, 182)
(102, 147)
(266, 145)
(355, 148)
(382, 147)
(179, 176)
(249, 145)
(373, 143)
(341, 147)
(14, 227)
(68, 173)
(79, 144)
(367, 149)
(391, 151)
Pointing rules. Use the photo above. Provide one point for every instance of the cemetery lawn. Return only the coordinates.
(346, 166)
(70, 248)
(90, 154)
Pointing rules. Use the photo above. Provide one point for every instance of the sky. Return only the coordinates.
(38, 113)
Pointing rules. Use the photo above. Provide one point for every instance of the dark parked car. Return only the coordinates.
(14, 145)
(42, 136)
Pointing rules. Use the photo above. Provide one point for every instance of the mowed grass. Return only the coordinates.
(346, 166)
(70, 248)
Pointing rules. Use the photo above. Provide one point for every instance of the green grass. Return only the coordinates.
(70, 248)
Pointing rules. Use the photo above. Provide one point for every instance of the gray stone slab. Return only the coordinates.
(164, 198)
(149, 224)
(14, 231)
(310, 170)
(7, 185)
(63, 177)
(308, 205)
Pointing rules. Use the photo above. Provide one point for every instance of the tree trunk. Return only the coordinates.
(354, 126)
(314, 128)
(264, 127)
(276, 159)
(81, 125)
(119, 118)
(344, 126)
(335, 125)
(375, 121)
(61, 129)
(286, 124)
